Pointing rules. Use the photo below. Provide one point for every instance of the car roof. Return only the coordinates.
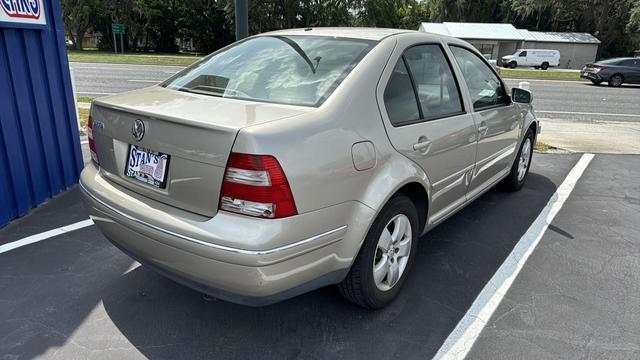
(376, 34)
(612, 60)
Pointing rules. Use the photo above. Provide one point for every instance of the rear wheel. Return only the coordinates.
(513, 64)
(520, 167)
(385, 257)
(616, 80)
(596, 82)
(544, 66)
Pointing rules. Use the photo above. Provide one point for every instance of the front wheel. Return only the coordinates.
(513, 64)
(386, 255)
(545, 65)
(520, 167)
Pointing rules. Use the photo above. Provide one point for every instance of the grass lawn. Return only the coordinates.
(84, 99)
(134, 58)
(83, 113)
(540, 74)
(540, 146)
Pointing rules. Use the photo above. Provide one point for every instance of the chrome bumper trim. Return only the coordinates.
(211, 245)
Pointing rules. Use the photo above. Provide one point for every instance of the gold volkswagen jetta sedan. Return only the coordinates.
(302, 158)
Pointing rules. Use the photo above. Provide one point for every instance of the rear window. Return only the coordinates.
(292, 69)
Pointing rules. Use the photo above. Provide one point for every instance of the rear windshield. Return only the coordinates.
(292, 69)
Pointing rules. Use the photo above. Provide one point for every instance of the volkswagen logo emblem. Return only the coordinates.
(137, 129)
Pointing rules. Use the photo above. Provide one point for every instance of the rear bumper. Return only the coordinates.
(231, 257)
(591, 76)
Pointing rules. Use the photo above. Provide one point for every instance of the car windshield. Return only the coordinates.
(297, 70)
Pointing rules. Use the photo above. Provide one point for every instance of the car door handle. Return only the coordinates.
(482, 130)
(422, 146)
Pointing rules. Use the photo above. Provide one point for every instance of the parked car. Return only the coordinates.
(613, 71)
(297, 159)
(538, 58)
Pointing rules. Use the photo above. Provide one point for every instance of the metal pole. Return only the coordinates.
(242, 19)
(122, 43)
(115, 44)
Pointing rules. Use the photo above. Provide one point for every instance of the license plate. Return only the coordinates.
(147, 166)
(585, 73)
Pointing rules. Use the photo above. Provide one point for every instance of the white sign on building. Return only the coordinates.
(22, 12)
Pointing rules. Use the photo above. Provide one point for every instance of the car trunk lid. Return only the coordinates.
(196, 132)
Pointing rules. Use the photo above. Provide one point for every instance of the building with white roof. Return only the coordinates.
(496, 40)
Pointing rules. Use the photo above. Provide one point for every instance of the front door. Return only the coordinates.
(426, 121)
(498, 121)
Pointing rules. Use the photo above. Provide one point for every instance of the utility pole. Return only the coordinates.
(242, 19)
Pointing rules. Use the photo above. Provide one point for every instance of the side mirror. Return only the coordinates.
(521, 96)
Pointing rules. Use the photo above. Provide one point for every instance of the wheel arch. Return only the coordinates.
(399, 175)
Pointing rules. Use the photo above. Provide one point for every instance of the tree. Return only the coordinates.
(78, 16)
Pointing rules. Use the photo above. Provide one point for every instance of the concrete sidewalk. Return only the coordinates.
(602, 137)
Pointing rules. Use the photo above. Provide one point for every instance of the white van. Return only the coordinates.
(538, 58)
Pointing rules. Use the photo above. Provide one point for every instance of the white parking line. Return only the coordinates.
(585, 113)
(461, 340)
(45, 235)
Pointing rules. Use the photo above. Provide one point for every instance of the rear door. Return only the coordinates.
(425, 118)
(498, 120)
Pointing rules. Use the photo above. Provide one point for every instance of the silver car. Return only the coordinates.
(303, 158)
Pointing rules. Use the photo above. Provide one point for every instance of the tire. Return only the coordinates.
(515, 179)
(360, 286)
(536, 67)
(544, 66)
(596, 82)
(616, 80)
(513, 64)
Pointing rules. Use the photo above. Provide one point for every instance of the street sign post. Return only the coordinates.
(117, 29)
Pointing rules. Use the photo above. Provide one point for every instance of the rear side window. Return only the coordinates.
(485, 87)
(630, 62)
(293, 69)
(399, 97)
(434, 81)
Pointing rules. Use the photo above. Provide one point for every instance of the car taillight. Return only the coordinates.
(92, 143)
(598, 68)
(255, 185)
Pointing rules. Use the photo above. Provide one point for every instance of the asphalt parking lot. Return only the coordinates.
(75, 296)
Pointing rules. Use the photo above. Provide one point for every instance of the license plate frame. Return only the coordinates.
(144, 177)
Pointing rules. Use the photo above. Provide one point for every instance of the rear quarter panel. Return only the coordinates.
(315, 149)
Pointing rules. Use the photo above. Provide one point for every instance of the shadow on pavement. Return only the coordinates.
(165, 320)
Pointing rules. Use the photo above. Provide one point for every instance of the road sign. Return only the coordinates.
(117, 28)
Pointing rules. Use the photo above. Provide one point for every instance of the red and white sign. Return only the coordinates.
(22, 12)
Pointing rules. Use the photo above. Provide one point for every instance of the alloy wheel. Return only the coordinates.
(392, 252)
(525, 157)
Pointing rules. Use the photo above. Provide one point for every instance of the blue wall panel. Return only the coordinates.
(40, 153)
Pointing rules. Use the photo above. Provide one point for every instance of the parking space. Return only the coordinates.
(76, 296)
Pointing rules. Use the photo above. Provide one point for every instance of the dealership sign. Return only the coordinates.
(22, 12)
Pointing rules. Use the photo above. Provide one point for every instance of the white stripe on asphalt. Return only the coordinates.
(461, 340)
(145, 81)
(547, 80)
(99, 65)
(93, 93)
(45, 235)
(584, 113)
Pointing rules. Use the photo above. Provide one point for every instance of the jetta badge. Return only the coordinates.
(138, 129)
